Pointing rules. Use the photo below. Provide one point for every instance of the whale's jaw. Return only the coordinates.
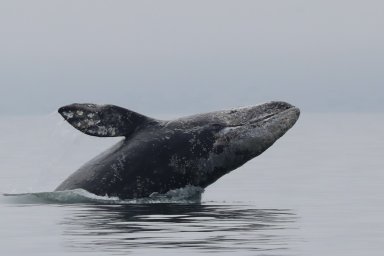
(247, 134)
(266, 123)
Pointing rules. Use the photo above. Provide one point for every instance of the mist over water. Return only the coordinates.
(317, 191)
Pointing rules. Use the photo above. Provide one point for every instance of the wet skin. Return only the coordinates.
(158, 156)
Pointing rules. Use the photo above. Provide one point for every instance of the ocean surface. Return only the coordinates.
(319, 190)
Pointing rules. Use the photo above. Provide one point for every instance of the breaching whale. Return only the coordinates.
(157, 156)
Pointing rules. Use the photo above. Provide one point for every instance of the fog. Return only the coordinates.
(159, 57)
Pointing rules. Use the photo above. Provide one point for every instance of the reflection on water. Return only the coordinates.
(328, 169)
(186, 227)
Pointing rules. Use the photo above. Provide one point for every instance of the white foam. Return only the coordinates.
(188, 194)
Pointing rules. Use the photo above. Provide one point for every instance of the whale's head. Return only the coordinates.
(249, 131)
(233, 137)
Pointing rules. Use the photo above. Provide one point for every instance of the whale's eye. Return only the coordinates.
(217, 126)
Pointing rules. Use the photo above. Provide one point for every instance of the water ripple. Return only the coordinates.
(189, 228)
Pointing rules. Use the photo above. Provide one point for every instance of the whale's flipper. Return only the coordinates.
(103, 120)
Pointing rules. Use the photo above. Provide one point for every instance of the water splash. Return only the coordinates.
(188, 194)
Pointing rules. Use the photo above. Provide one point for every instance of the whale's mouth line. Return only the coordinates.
(261, 119)
(258, 121)
(273, 115)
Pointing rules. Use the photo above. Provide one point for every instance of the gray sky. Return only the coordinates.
(191, 56)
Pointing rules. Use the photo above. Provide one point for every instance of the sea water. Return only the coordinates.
(317, 191)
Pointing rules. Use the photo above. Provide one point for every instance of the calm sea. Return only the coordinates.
(318, 191)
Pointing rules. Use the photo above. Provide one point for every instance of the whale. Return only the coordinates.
(156, 156)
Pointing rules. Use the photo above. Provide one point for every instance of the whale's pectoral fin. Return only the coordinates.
(103, 120)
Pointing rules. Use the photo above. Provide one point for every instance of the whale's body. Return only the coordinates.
(158, 156)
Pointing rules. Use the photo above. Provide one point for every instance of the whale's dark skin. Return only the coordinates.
(158, 156)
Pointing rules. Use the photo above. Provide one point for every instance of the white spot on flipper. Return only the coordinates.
(106, 131)
(68, 114)
(79, 112)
